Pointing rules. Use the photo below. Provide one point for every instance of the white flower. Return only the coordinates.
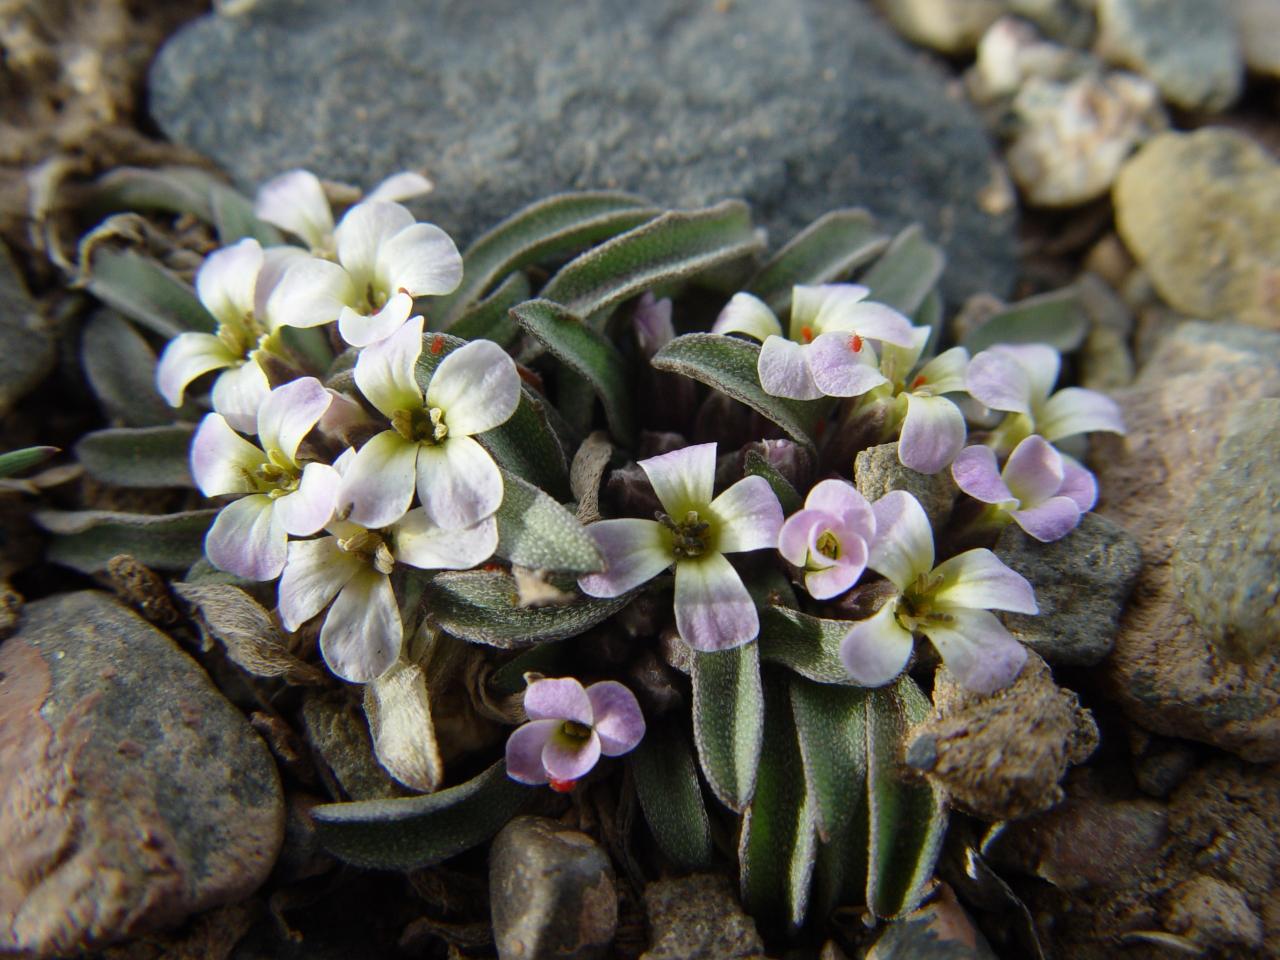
(250, 536)
(430, 445)
(385, 259)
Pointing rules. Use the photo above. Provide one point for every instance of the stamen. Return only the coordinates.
(575, 730)
(828, 545)
(690, 537)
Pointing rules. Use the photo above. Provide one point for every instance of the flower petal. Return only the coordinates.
(311, 506)
(976, 472)
(476, 386)
(1076, 410)
(276, 262)
(361, 330)
(458, 482)
(795, 535)
(312, 292)
(402, 186)
(313, 574)
(238, 394)
(749, 516)
(813, 305)
(714, 611)
(875, 321)
(1050, 520)
(420, 260)
(998, 381)
(558, 698)
(903, 548)
(1039, 361)
(876, 650)
(225, 281)
(378, 486)
(1078, 484)
(978, 649)
(619, 721)
(385, 371)
(783, 369)
(420, 543)
(222, 461)
(363, 231)
(248, 539)
(289, 412)
(361, 635)
(295, 202)
(945, 373)
(568, 759)
(980, 580)
(897, 362)
(653, 326)
(840, 576)
(1033, 472)
(746, 313)
(524, 751)
(634, 552)
(845, 504)
(839, 370)
(683, 479)
(932, 433)
(187, 356)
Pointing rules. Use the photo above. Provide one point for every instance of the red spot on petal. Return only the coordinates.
(437, 345)
(919, 381)
(855, 343)
(563, 786)
(806, 334)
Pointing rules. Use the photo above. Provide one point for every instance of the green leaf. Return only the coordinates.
(544, 658)
(87, 539)
(666, 779)
(310, 345)
(807, 645)
(234, 219)
(906, 273)
(1057, 318)
(527, 446)
(930, 315)
(907, 816)
(728, 720)
(831, 723)
(121, 369)
(535, 531)
(484, 607)
(138, 456)
(15, 461)
(757, 466)
(829, 249)
(674, 246)
(587, 353)
(728, 364)
(490, 318)
(164, 190)
(778, 841)
(145, 291)
(414, 832)
(549, 228)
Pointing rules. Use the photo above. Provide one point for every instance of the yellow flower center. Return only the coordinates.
(421, 425)
(371, 548)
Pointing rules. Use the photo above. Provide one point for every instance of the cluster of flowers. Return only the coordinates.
(326, 497)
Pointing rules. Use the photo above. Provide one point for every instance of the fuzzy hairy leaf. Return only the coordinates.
(778, 841)
(490, 318)
(544, 657)
(908, 817)
(233, 218)
(831, 723)
(907, 271)
(15, 461)
(87, 539)
(535, 531)
(587, 353)
(549, 228)
(138, 457)
(1057, 318)
(666, 779)
(754, 465)
(827, 250)
(414, 832)
(674, 246)
(484, 607)
(728, 364)
(807, 645)
(121, 368)
(145, 291)
(728, 721)
(404, 737)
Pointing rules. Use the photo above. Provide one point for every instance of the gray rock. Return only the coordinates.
(950, 26)
(339, 733)
(940, 930)
(1188, 47)
(27, 349)
(1226, 561)
(877, 470)
(133, 795)
(1259, 26)
(797, 112)
(551, 892)
(698, 918)
(1164, 671)
(1081, 584)
(1214, 915)
(1066, 21)
(1201, 213)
